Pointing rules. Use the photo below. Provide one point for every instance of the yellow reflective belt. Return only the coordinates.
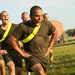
(6, 32)
(31, 35)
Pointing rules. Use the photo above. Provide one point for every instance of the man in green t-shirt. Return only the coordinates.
(25, 17)
(38, 48)
(2, 63)
(12, 58)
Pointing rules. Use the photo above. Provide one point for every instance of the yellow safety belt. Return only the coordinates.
(6, 32)
(31, 36)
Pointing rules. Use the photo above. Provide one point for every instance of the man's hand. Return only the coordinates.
(48, 51)
(3, 52)
(25, 55)
(20, 44)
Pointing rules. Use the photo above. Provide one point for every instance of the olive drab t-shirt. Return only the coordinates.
(38, 45)
(4, 44)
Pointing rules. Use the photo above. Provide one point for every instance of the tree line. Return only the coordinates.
(70, 32)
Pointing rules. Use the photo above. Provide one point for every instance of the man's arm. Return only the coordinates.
(52, 41)
(13, 42)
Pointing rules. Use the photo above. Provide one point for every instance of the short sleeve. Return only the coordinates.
(51, 28)
(17, 33)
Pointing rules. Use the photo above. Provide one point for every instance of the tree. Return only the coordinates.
(73, 32)
(70, 32)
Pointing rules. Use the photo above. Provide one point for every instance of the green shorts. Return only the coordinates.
(31, 61)
(13, 57)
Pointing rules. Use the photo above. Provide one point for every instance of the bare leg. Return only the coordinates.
(38, 69)
(11, 68)
(2, 67)
(28, 73)
(51, 58)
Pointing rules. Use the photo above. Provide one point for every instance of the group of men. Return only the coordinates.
(8, 55)
(28, 40)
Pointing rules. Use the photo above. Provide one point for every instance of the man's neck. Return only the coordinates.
(4, 26)
(38, 24)
(35, 24)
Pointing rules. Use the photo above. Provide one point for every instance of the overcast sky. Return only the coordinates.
(60, 10)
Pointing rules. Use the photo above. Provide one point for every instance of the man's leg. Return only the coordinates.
(11, 67)
(2, 67)
(51, 59)
(38, 69)
(18, 63)
(37, 65)
(28, 73)
(10, 64)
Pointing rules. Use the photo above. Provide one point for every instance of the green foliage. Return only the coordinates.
(70, 32)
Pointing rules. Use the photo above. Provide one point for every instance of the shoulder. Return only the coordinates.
(46, 22)
(26, 24)
(15, 25)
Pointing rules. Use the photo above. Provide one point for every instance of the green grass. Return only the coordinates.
(64, 61)
(66, 43)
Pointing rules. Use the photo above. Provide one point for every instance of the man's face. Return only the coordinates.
(5, 17)
(46, 17)
(37, 17)
(25, 17)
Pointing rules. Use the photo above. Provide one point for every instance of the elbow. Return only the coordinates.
(10, 40)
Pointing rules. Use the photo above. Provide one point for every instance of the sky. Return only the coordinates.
(60, 10)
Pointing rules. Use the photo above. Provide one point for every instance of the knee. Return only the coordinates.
(11, 65)
(51, 52)
(41, 72)
(38, 69)
(2, 64)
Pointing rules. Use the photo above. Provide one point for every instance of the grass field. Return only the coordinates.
(64, 61)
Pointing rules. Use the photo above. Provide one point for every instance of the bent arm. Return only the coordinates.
(13, 42)
(52, 41)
